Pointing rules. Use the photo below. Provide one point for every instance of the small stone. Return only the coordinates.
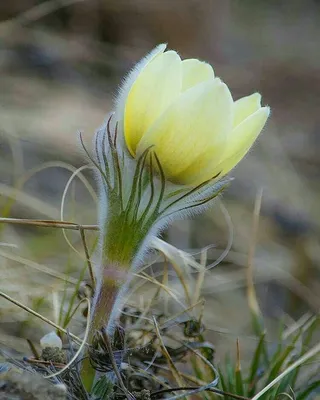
(23, 385)
(51, 340)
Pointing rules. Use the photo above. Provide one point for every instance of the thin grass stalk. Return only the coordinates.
(309, 354)
(251, 292)
(48, 321)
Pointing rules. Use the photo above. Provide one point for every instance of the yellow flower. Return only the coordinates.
(188, 116)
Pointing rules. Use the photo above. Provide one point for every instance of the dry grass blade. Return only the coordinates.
(201, 275)
(48, 224)
(175, 317)
(86, 251)
(164, 287)
(173, 368)
(115, 366)
(37, 12)
(53, 224)
(181, 276)
(16, 193)
(38, 267)
(29, 201)
(230, 237)
(48, 321)
(252, 297)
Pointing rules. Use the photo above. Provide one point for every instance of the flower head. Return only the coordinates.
(187, 115)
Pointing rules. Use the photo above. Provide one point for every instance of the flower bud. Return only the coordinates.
(187, 116)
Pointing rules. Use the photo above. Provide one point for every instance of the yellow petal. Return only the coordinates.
(192, 131)
(245, 107)
(194, 72)
(242, 138)
(130, 78)
(157, 86)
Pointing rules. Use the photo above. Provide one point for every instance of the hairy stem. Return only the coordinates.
(105, 312)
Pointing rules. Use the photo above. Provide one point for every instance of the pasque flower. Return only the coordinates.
(175, 132)
(188, 116)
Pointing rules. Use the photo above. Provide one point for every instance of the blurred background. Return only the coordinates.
(60, 65)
